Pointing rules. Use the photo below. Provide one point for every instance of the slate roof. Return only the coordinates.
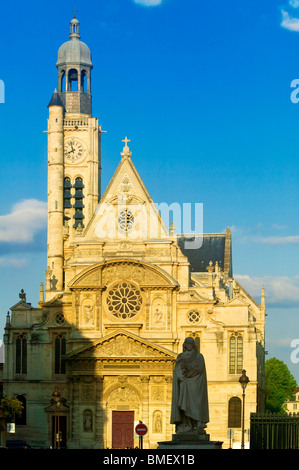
(55, 100)
(214, 247)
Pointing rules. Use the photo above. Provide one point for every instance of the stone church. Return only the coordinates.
(122, 291)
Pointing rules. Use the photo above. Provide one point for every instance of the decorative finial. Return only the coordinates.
(22, 296)
(263, 303)
(210, 268)
(74, 26)
(172, 227)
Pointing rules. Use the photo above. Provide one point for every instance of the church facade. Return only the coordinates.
(122, 292)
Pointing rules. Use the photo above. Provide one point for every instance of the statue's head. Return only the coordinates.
(189, 344)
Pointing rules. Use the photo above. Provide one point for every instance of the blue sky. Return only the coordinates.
(203, 90)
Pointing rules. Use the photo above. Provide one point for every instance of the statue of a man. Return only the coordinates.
(189, 410)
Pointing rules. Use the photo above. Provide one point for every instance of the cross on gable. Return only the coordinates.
(126, 140)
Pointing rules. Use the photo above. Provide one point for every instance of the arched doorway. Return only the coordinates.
(122, 411)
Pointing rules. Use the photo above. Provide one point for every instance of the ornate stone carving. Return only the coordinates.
(158, 312)
(123, 271)
(125, 394)
(125, 188)
(124, 300)
(87, 312)
(157, 393)
(87, 392)
(157, 422)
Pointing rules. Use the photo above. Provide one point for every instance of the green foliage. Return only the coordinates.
(12, 407)
(280, 385)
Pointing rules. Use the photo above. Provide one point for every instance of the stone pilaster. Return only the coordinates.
(99, 417)
(75, 411)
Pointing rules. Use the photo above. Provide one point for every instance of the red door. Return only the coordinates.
(122, 429)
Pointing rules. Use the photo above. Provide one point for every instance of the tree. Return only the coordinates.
(280, 384)
(11, 407)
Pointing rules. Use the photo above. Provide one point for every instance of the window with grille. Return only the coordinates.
(21, 354)
(235, 354)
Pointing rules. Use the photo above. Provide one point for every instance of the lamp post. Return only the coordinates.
(243, 381)
(57, 401)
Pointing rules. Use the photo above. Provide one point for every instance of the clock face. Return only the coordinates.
(73, 150)
(125, 221)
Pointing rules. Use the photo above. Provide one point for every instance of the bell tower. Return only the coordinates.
(74, 154)
(74, 73)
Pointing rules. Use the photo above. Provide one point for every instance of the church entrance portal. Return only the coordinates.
(122, 429)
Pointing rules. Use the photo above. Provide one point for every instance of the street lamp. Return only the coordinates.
(56, 395)
(243, 381)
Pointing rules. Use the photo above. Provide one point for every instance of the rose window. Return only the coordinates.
(124, 301)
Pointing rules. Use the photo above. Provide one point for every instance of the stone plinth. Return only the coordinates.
(190, 440)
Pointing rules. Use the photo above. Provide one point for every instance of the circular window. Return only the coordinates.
(124, 300)
(125, 221)
(59, 318)
(194, 317)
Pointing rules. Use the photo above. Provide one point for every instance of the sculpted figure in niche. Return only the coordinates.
(189, 410)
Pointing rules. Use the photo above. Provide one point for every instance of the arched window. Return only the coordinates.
(235, 354)
(60, 350)
(234, 412)
(196, 338)
(83, 81)
(22, 418)
(21, 354)
(61, 84)
(73, 80)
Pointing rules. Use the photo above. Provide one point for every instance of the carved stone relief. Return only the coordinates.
(125, 394)
(157, 394)
(87, 393)
(87, 311)
(157, 423)
(158, 313)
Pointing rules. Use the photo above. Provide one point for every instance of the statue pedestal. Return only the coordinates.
(190, 440)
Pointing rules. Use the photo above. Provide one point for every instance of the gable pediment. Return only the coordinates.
(121, 345)
(126, 194)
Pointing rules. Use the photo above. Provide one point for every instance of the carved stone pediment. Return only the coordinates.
(121, 345)
(103, 274)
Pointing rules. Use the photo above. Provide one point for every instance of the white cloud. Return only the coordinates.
(294, 3)
(288, 22)
(15, 262)
(149, 3)
(26, 218)
(279, 290)
(244, 235)
(287, 240)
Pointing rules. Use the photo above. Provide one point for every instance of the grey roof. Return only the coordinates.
(55, 100)
(74, 52)
(214, 247)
